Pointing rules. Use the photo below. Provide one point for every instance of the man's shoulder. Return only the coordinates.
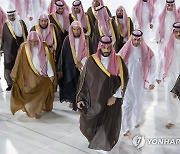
(91, 57)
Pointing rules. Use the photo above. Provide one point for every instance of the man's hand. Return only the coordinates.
(79, 66)
(111, 101)
(174, 95)
(151, 87)
(151, 26)
(80, 104)
(158, 81)
(52, 78)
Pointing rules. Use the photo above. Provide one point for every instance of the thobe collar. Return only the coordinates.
(16, 26)
(78, 15)
(76, 44)
(60, 18)
(177, 41)
(105, 61)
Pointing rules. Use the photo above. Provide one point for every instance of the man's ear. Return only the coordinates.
(173, 30)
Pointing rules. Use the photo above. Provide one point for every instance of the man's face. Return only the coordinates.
(43, 23)
(76, 31)
(11, 17)
(177, 33)
(119, 13)
(96, 3)
(170, 6)
(60, 10)
(76, 9)
(33, 42)
(106, 50)
(136, 41)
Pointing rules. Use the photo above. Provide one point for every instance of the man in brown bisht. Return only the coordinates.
(125, 26)
(100, 95)
(91, 10)
(176, 89)
(105, 25)
(34, 78)
(49, 34)
(60, 18)
(13, 34)
(78, 14)
(76, 49)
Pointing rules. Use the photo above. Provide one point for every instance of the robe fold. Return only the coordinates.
(66, 65)
(31, 92)
(100, 123)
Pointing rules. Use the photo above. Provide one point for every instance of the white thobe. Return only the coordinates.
(173, 104)
(145, 28)
(132, 107)
(36, 63)
(78, 17)
(105, 62)
(16, 27)
(60, 19)
(83, 61)
(23, 14)
(169, 20)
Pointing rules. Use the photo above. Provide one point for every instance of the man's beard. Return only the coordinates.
(59, 13)
(119, 16)
(105, 54)
(77, 36)
(44, 27)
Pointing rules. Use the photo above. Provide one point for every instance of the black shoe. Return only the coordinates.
(8, 88)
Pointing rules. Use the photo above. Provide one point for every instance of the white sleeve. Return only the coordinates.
(50, 72)
(118, 93)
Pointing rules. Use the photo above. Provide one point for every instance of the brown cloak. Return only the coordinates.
(31, 92)
(100, 123)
